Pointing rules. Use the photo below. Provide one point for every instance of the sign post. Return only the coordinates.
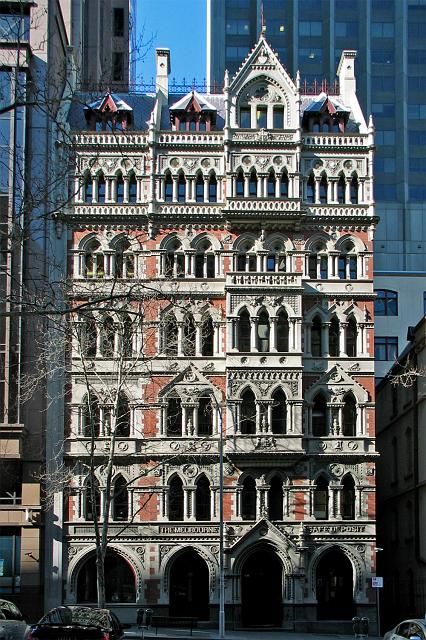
(377, 583)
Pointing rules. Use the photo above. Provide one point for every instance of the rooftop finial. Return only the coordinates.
(262, 20)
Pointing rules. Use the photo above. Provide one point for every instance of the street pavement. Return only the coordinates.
(240, 634)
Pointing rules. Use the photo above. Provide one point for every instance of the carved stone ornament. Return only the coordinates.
(190, 470)
(205, 163)
(246, 160)
(72, 551)
(336, 469)
(175, 162)
(165, 549)
(278, 160)
(265, 443)
(175, 446)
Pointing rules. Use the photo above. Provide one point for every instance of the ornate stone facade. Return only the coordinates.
(250, 215)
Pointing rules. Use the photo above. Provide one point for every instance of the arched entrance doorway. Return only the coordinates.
(334, 587)
(189, 586)
(119, 580)
(261, 590)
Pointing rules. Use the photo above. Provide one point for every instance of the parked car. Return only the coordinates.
(12, 623)
(77, 623)
(414, 629)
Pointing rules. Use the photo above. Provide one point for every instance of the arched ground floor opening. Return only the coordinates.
(120, 584)
(262, 590)
(189, 586)
(334, 587)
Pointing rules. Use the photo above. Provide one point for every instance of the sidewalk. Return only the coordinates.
(241, 634)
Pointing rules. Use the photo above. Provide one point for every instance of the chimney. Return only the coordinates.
(163, 71)
(346, 74)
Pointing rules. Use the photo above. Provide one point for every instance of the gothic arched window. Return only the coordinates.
(282, 332)
(351, 335)
(122, 426)
(263, 330)
(94, 260)
(239, 184)
(170, 333)
(107, 337)
(248, 499)
(168, 187)
(284, 185)
(354, 188)
(132, 188)
(202, 499)
(212, 188)
(189, 335)
(319, 416)
(348, 498)
(248, 413)
(120, 500)
(175, 499)
(101, 188)
(253, 184)
(91, 417)
(244, 330)
(321, 499)
(207, 336)
(199, 188)
(349, 416)
(89, 337)
(92, 501)
(275, 499)
(341, 190)
(88, 188)
(124, 259)
(119, 188)
(334, 337)
(310, 189)
(181, 188)
(323, 186)
(316, 330)
(279, 412)
(271, 184)
(205, 416)
(174, 418)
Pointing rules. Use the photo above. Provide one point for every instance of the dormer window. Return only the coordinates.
(110, 113)
(193, 113)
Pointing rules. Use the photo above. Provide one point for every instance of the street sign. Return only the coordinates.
(376, 582)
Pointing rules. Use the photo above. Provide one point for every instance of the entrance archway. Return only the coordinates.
(334, 587)
(119, 580)
(261, 590)
(189, 586)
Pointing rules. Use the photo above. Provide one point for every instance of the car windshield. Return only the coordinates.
(82, 616)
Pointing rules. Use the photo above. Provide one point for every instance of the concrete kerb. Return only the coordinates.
(240, 634)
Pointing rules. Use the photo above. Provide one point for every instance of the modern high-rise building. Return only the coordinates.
(33, 64)
(309, 35)
(104, 37)
(221, 264)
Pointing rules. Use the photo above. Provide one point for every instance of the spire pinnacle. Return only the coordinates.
(262, 20)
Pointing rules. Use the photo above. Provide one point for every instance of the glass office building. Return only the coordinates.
(309, 36)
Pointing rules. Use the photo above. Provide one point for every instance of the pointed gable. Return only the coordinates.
(108, 112)
(262, 81)
(193, 112)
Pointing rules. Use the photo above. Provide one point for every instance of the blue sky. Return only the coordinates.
(181, 27)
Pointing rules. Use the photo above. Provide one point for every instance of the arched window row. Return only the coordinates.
(118, 260)
(202, 260)
(251, 184)
(198, 418)
(338, 501)
(184, 336)
(100, 419)
(108, 336)
(323, 189)
(335, 501)
(91, 498)
(264, 332)
(267, 416)
(326, 125)
(189, 502)
(184, 188)
(342, 417)
(344, 263)
(334, 338)
(101, 189)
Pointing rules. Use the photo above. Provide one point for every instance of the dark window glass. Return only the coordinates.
(386, 303)
(275, 499)
(245, 118)
(181, 188)
(202, 499)
(253, 184)
(248, 500)
(101, 189)
(120, 189)
(174, 417)
(240, 184)
(278, 117)
(120, 501)
(284, 186)
(334, 332)
(205, 417)
(271, 185)
(321, 499)
(132, 188)
(261, 117)
(351, 334)
(212, 189)
(199, 189)
(117, 66)
(248, 413)
(175, 502)
(168, 188)
(319, 416)
(282, 332)
(118, 20)
(349, 416)
(348, 499)
(279, 412)
(385, 348)
(316, 349)
(263, 330)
